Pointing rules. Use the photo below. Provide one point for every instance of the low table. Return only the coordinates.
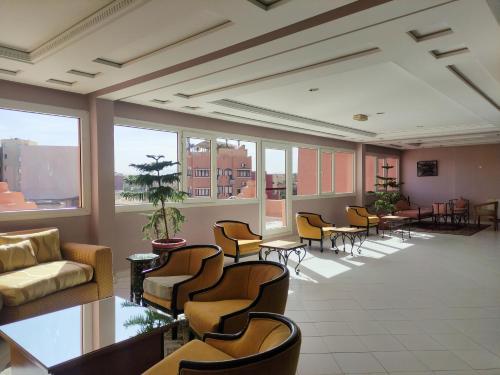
(349, 233)
(396, 222)
(284, 250)
(139, 263)
(109, 336)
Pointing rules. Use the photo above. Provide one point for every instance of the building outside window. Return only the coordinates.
(131, 147)
(199, 159)
(237, 162)
(326, 171)
(344, 172)
(40, 161)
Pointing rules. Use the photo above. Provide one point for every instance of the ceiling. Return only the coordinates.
(426, 73)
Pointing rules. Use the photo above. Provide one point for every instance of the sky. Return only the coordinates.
(131, 144)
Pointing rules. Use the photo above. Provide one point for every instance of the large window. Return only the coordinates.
(344, 168)
(304, 171)
(236, 169)
(131, 147)
(199, 160)
(370, 163)
(326, 171)
(40, 161)
(374, 166)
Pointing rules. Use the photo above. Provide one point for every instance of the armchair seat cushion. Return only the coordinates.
(205, 316)
(162, 286)
(28, 284)
(194, 350)
(248, 246)
(373, 219)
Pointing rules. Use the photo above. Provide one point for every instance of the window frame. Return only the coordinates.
(85, 161)
(382, 157)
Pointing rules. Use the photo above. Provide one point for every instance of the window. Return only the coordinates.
(237, 161)
(202, 192)
(370, 163)
(374, 166)
(199, 172)
(40, 161)
(326, 172)
(199, 159)
(344, 172)
(304, 171)
(131, 147)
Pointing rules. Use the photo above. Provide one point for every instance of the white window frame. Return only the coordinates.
(85, 161)
(382, 157)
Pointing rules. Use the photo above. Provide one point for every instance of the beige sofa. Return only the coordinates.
(38, 274)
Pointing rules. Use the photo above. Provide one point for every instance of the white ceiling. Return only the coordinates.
(363, 63)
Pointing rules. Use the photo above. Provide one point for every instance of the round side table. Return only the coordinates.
(139, 263)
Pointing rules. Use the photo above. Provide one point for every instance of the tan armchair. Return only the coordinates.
(243, 287)
(186, 269)
(359, 217)
(488, 210)
(236, 239)
(312, 227)
(269, 344)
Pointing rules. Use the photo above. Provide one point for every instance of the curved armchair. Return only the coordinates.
(359, 217)
(269, 344)
(185, 270)
(236, 239)
(243, 287)
(312, 227)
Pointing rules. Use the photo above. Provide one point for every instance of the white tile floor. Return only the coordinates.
(429, 305)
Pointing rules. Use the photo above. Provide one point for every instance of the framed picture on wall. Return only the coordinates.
(427, 168)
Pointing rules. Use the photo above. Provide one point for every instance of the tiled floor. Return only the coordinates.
(429, 305)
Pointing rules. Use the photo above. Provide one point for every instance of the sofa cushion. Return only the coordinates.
(195, 350)
(460, 203)
(45, 243)
(16, 255)
(162, 286)
(28, 284)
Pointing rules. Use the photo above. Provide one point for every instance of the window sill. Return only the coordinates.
(187, 204)
(43, 214)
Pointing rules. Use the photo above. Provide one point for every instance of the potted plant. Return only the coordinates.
(159, 187)
(386, 199)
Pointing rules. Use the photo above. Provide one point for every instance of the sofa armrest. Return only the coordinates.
(99, 257)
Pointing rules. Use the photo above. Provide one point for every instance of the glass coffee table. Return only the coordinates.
(109, 336)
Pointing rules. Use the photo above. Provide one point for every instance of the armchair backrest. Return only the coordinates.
(235, 229)
(314, 219)
(440, 208)
(270, 343)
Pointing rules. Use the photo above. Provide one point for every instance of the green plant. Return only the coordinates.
(386, 199)
(158, 188)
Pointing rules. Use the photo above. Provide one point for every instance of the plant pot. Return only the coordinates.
(163, 246)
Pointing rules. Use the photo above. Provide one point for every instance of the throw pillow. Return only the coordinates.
(45, 244)
(16, 255)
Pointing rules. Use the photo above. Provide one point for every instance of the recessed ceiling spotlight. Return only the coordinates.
(314, 89)
(360, 117)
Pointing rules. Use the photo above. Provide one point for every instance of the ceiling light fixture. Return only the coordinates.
(360, 117)
(380, 113)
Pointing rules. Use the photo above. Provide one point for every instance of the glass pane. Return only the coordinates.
(304, 171)
(370, 162)
(198, 166)
(392, 172)
(236, 169)
(39, 161)
(380, 172)
(131, 147)
(326, 172)
(275, 170)
(344, 168)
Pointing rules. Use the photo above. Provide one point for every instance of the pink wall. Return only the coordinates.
(469, 171)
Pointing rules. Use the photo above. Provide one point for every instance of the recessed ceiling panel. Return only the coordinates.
(406, 101)
(37, 21)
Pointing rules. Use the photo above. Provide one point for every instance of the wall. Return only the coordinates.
(469, 171)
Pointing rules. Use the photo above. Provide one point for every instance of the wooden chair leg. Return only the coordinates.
(321, 244)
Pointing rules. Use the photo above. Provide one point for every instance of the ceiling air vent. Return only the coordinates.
(266, 4)
(82, 74)
(60, 82)
(397, 146)
(415, 144)
(159, 101)
(9, 72)
(190, 107)
(108, 63)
